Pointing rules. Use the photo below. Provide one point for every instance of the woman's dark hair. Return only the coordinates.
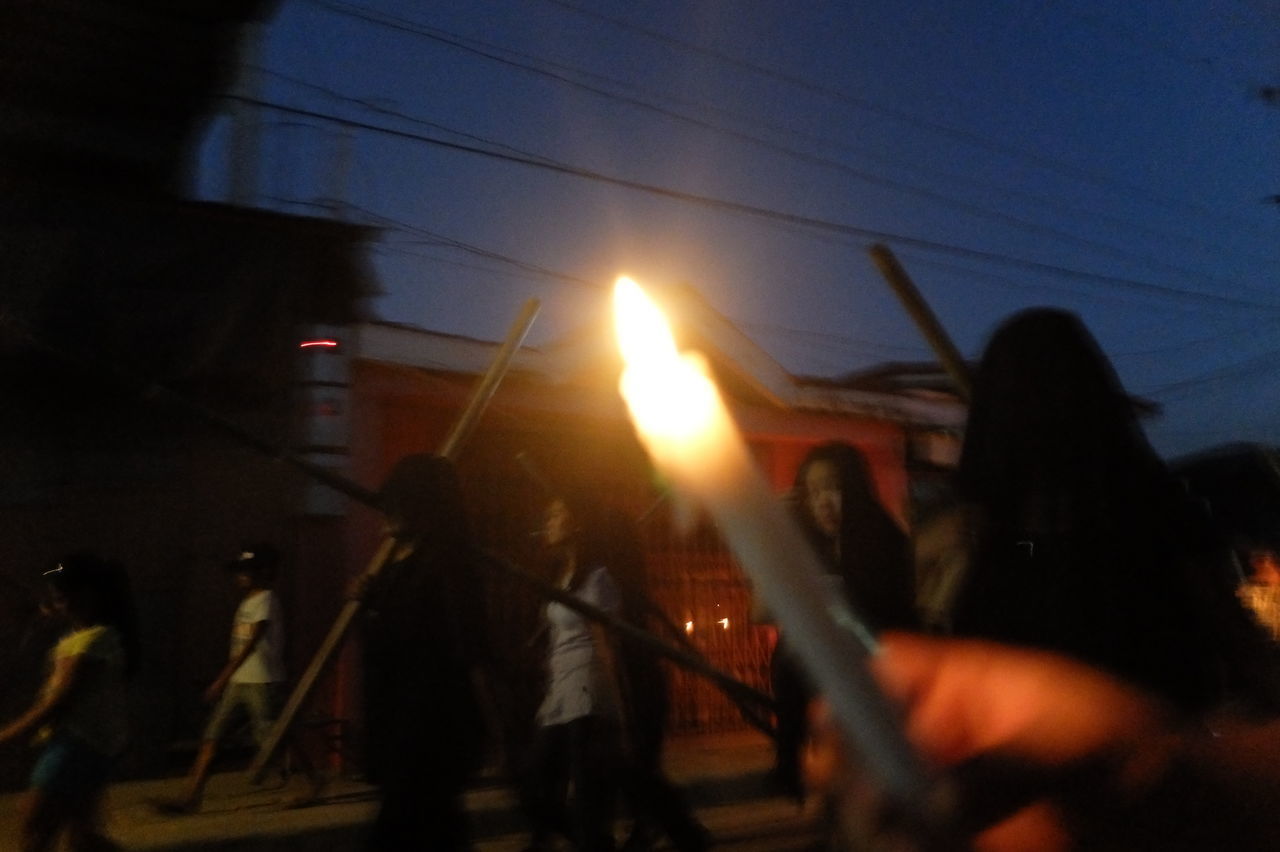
(873, 555)
(1049, 415)
(424, 494)
(605, 534)
(865, 526)
(99, 591)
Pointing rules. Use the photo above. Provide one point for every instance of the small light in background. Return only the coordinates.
(688, 627)
(724, 622)
(309, 344)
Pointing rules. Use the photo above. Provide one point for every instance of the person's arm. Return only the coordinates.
(62, 681)
(256, 632)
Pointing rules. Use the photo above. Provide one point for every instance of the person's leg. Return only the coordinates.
(792, 693)
(198, 775)
(545, 784)
(85, 790)
(84, 830)
(661, 808)
(40, 822)
(592, 749)
(396, 817)
(223, 713)
(67, 784)
(442, 816)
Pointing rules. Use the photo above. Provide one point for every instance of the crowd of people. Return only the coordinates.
(1092, 680)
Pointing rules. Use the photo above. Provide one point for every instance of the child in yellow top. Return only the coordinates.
(80, 714)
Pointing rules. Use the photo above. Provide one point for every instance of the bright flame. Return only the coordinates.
(670, 396)
(724, 622)
(643, 333)
(688, 627)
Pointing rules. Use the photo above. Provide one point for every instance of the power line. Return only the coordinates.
(986, 143)
(485, 51)
(392, 113)
(816, 224)
(1256, 365)
(826, 342)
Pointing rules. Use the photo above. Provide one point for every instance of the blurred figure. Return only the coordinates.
(866, 555)
(252, 682)
(659, 808)
(1040, 753)
(1071, 536)
(579, 722)
(424, 625)
(1260, 591)
(81, 715)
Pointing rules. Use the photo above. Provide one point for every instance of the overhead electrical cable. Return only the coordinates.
(816, 224)
(487, 51)
(1259, 364)
(1056, 166)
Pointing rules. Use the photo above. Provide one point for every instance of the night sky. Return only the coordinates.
(1117, 159)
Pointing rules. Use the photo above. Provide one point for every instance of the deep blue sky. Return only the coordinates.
(1111, 158)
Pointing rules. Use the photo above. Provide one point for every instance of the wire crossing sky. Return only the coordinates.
(1119, 162)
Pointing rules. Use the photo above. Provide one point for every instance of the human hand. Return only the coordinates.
(1035, 752)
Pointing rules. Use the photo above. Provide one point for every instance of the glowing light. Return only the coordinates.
(310, 344)
(670, 394)
(687, 429)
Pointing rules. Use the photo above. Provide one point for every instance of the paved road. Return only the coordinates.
(722, 774)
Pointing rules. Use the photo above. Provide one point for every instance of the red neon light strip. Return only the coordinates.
(309, 343)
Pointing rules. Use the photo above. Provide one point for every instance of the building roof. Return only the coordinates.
(748, 375)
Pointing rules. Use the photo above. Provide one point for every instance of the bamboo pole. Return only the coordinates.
(925, 319)
(452, 445)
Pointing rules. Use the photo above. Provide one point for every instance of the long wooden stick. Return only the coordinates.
(457, 437)
(924, 318)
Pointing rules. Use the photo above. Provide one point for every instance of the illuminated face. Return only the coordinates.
(557, 526)
(822, 496)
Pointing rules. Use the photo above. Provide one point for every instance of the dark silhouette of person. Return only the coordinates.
(657, 806)
(423, 628)
(1071, 535)
(867, 559)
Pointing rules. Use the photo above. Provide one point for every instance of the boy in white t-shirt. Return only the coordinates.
(253, 678)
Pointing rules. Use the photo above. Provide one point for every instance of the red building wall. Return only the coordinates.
(580, 437)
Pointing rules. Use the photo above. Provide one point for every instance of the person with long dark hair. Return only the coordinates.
(867, 559)
(576, 746)
(424, 623)
(1070, 535)
(81, 714)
